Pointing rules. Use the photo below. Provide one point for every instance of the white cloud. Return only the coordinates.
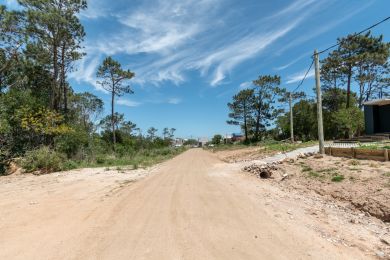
(96, 9)
(86, 72)
(283, 67)
(244, 49)
(297, 77)
(324, 28)
(178, 36)
(128, 103)
(245, 85)
(174, 101)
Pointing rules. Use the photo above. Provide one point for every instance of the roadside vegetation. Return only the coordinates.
(359, 60)
(44, 125)
(267, 145)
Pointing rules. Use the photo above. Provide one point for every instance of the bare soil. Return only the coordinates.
(244, 154)
(363, 183)
(194, 206)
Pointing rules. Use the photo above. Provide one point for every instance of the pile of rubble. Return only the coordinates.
(262, 171)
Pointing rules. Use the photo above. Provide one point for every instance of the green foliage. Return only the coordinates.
(359, 59)
(350, 120)
(38, 48)
(265, 95)
(216, 139)
(42, 121)
(338, 178)
(44, 160)
(241, 109)
(114, 79)
(339, 122)
(71, 143)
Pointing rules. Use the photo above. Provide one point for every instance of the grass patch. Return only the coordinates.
(354, 169)
(314, 174)
(387, 174)
(327, 170)
(338, 178)
(138, 159)
(46, 160)
(286, 147)
(268, 145)
(306, 168)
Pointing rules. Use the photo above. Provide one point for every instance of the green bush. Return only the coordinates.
(44, 160)
(72, 142)
(338, 178)
(69, 165)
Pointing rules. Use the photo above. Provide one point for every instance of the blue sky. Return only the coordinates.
(191, 56)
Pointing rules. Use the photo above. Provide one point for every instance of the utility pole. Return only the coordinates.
(319, 103)
(291, 119)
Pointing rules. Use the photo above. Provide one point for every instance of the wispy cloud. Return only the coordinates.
(174, 101)
(229, 57)
(180, 36)
(297, 77)
(176, 38)
(285, 66)
(245, 85)
(86, 72)
(324, 28)
(128, 103)
(96, 9)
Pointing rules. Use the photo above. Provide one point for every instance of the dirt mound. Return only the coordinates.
(364, 184)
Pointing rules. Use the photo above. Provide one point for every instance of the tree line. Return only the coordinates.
(39, 46)
(360, 63)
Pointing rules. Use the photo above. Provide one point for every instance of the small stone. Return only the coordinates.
(380, 254)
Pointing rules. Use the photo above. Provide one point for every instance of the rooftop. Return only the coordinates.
(378, 102)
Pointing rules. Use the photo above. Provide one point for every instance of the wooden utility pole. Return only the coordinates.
(319, 103)
(291, 119)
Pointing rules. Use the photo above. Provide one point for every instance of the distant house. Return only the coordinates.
(178, 142)
(203, 141)
(377, 116)
(237, 137)
(227, 139)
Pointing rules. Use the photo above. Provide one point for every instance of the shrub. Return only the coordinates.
(71, 143)
(44, 160)
(338, 178)
(100, 159)
(69, 165)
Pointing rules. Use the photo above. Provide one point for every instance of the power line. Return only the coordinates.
(335, 45)
(307, 72)
(365, 30)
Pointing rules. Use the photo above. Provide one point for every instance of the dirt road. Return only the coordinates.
(191, 207)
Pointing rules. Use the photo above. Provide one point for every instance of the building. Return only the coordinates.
(377, 116)
(237, 137)
(203, 141)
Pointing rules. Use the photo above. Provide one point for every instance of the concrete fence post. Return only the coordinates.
(353, 152)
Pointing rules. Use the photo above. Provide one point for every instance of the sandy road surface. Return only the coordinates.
(191, 207)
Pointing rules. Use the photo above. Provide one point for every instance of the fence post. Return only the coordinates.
(353, 152)
(386, 155)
